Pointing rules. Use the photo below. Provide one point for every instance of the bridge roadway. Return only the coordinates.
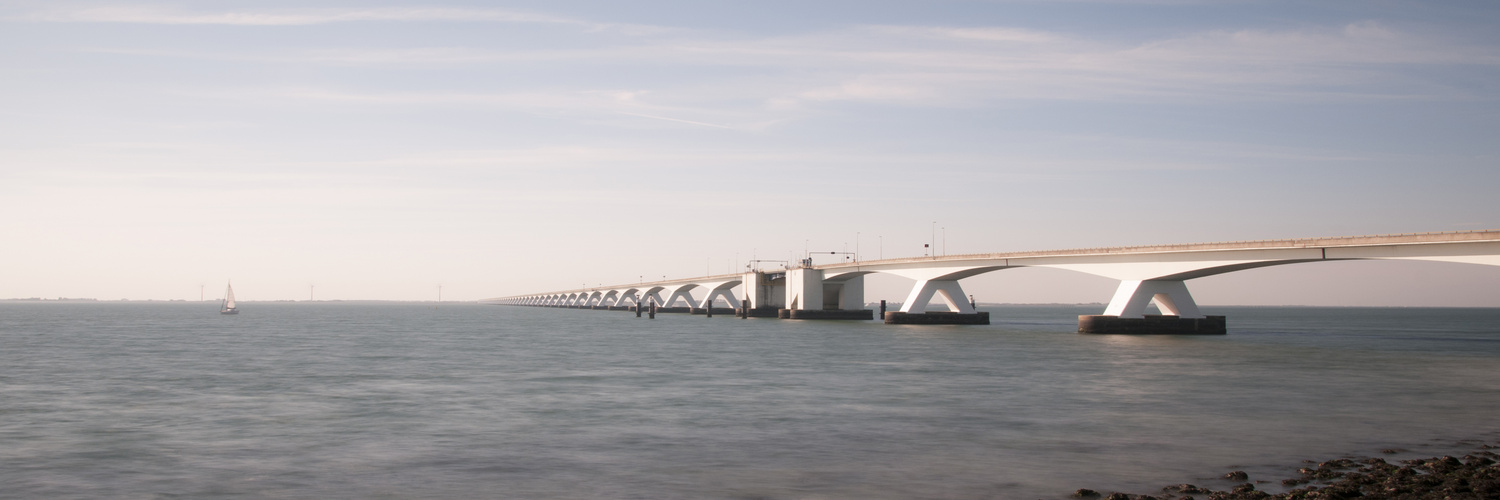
(1147, 274)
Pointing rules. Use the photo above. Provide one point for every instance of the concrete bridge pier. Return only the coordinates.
(1127, 311)
(765, 294)
(914, 309)
(809, 296)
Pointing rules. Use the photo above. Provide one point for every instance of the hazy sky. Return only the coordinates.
(379, 149)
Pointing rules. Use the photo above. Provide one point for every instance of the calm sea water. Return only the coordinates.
(473, 401)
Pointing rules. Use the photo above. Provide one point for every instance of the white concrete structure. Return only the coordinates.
(1147, 274)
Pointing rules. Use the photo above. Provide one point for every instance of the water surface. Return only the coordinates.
(330, 400)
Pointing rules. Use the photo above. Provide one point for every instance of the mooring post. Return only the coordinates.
(882, 309)
(653, 309)
(745, 308)
(709, 311)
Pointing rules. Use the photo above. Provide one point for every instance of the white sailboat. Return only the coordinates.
(228, 306)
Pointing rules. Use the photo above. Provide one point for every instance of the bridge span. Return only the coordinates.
(1147, 274)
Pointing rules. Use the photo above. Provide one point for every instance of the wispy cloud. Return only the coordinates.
(986, 34)
(1359, 60)
(595, 103)
(304, 17)
(113, 163)
(739, 82)
(677, 120)
(928, 65)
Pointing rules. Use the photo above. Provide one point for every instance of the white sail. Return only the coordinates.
(228, 300)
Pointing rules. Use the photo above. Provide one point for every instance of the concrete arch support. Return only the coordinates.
(721, 290)
(632, 295)
(651, 297)
(684, 292)
(1171, 297)
(951, 294)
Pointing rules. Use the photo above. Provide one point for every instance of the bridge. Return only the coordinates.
(1148, 274)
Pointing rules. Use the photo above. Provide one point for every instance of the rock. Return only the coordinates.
(1186, 489)
(1475, 476)
(1085, 493)
(1337, 463)
(1238, 475)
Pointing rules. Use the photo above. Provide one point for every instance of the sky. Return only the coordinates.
(382, 149)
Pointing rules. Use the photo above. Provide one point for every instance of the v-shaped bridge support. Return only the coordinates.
(951, 294)
(1171, 297)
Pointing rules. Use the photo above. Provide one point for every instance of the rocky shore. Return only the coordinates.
(1473, 476)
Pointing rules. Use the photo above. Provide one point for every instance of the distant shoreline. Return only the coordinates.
(215, 301)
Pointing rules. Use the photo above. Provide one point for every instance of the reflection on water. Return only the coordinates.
(409, 400)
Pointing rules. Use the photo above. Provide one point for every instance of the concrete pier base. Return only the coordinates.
(763, 312)
(681, 310)
(936, 318)
(825, 314)
(621, 308)
(1152, 325)
(727, 311)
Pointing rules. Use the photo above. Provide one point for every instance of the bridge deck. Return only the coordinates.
(1491, 235)
(1323, 242)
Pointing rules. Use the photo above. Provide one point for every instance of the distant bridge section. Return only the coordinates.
(1147, 274)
